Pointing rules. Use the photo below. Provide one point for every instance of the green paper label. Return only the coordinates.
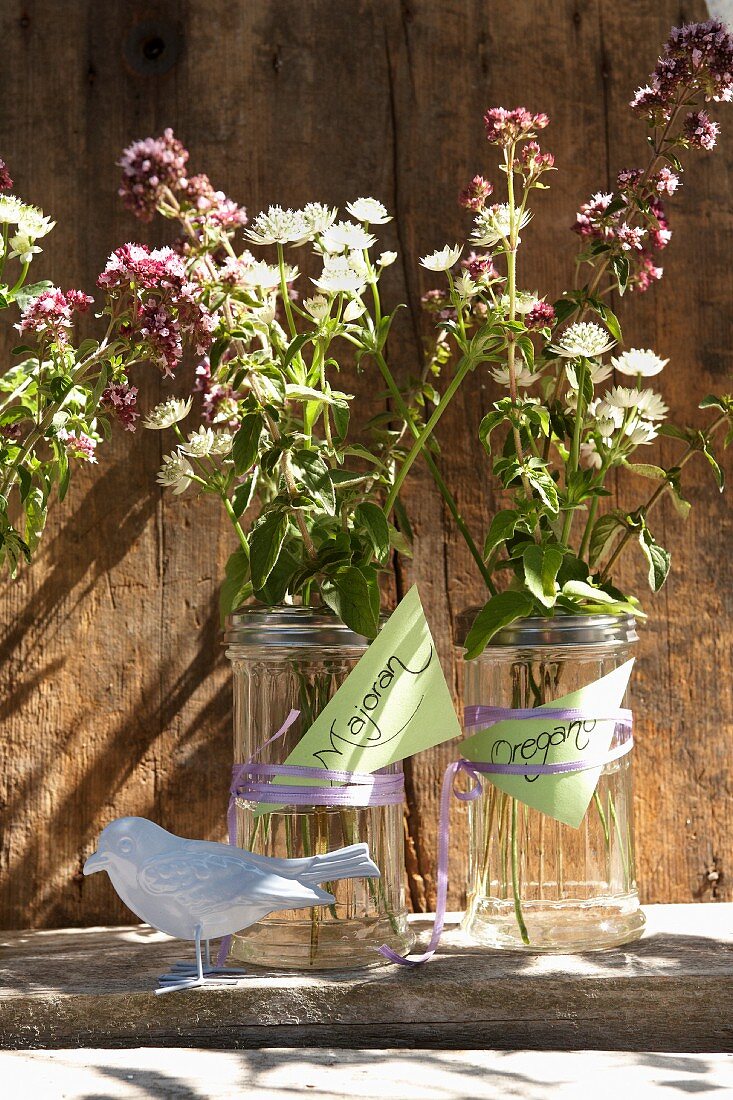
(563, 796)
(394, 703)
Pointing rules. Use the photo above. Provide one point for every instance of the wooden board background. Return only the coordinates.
(114, 695)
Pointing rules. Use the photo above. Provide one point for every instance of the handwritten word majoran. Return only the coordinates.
(365, 717)
(504, 752)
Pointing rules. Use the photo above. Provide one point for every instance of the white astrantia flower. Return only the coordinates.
(524, 376)
(205, 441)
(583, 340)
(640, 433)
(493, 225)
(387, 258)
(599, 372)
(318, 307)
(168, 413)
(24, 247)
(278, 226)
(344, 274)
(33, 223)
(651, 405)
(317, 218)
(590, 456)
(11, 209)
(607, 414)
(641, 361)
(622, 397)
(223, 442)
(465, 286)
(346, 237)
(266, 276)
(524, 302)
(369, 210)
(175, 473)
(442, 260)
(354, 309)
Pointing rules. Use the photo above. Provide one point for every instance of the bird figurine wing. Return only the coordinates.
(208, 878)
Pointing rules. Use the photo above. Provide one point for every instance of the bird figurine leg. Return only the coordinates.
(186, 975)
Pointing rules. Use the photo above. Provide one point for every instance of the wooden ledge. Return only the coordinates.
(671, 991)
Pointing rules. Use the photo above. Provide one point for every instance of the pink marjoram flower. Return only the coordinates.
(210, 206)
(121, 399)
(474, 196)
(51, 313)
(480, 266)
(647, 274)
(503, 127)
(5, 181)
(79, 445)
(541, 315)
(699, 131)
(534, 159)
(148, 166)
(630, 237)
(666, 181)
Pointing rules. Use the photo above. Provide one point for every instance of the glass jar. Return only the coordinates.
(574, 889)
(287, 658)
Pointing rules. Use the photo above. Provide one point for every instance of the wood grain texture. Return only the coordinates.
(673, 990)
(114, 694)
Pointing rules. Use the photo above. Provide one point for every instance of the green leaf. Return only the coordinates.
(294, 347)
(502, 527)
(371, 517)
(501, 610)
(610, 319)
(659, 560)
(717, 472)
(265, 543)
(620, 266)
(490, 421)
(279, 581)
(27, 293)
(400, 513)
(605, 531)
(246, 442)
(306, 393)
(313, 472)
(399, 542)
(646, 469)
(354, 596)
(235, 588)
(542, 483)
(341, 414)
(541, 565)
(243, 496)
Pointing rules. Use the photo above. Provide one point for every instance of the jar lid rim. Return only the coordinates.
(559, 630)
(287, 625)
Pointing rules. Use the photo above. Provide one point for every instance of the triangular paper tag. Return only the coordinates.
(394, 702)
(563, 796)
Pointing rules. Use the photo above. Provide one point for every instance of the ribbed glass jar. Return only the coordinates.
(296, 658)
(574, 889)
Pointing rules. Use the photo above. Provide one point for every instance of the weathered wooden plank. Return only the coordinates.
(114, 694)
(671, 991)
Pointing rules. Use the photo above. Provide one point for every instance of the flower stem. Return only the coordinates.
(437, 476)
(516, 886)
(465, 364)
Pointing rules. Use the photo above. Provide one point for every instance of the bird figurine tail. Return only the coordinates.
(351, 862)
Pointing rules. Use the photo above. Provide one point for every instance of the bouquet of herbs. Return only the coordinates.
(275, 420)
(59, 395)
(565, 423)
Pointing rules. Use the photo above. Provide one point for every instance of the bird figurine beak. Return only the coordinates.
(96, 862)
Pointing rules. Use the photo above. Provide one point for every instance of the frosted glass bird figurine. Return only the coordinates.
(199, 890)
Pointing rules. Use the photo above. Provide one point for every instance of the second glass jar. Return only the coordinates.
(536, 884)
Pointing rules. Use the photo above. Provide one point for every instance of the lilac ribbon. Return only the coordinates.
(481, 717)
(380, 788)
